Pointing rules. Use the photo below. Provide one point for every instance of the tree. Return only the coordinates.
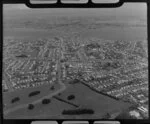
(52, 88)
(71, 97)
(16, 99)
(45, 101)
(30, 106)
(107, 116)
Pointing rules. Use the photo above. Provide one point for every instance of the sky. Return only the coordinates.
(126, 9)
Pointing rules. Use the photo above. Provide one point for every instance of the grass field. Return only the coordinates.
(84, 97)
(23, 95)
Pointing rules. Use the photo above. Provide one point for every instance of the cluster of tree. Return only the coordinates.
(74, 81)
(52, 88)
(16, 99)
(125, 115)
(30, 106)
(92, 46)
(34, 93)
(77, 112)
(106, 116)
(71, 97)
(111, 65)
(46, 101)
(22, 56)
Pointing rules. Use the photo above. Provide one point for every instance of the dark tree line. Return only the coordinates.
(34, 93)
(78, 112)
(16, 99)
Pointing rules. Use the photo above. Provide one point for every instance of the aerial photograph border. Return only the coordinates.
(52, 78)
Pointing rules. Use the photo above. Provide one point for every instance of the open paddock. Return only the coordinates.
(84, 97)
(23, 95)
